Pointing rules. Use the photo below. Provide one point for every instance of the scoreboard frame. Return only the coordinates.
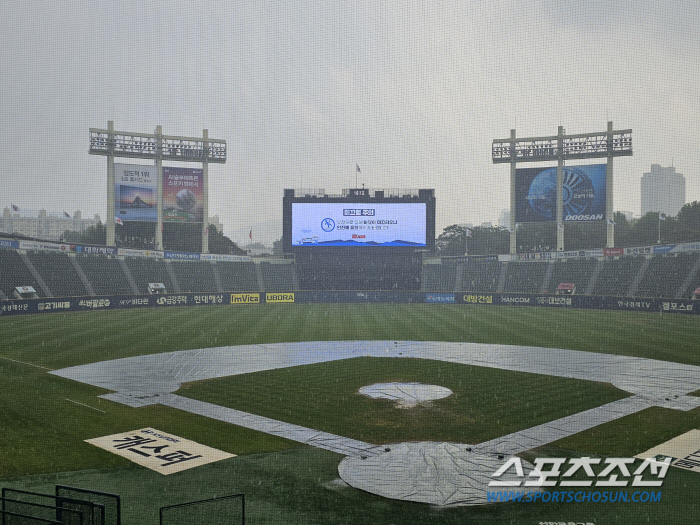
(352, 197)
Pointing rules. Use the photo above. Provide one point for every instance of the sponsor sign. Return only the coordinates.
(245, 298)
(208, 298)
(171, 300)
(159, 451)
(612, 252)
(551, 300)
(4, 243)
(513, 299)
(677, 306)
(683, 451)
(664, 249)
(689, 247)
(626, 304)
(583, 194)
(92, 249)
(223, 257)
(537, 256)
(439, 298)
(571, 255)
(135, 192)
(477, 299)
(129, 252)
(643, 250)
(45, 246)
(183, 194)
(14, 307)
(182, 256)
(279, 297)
(366, 224)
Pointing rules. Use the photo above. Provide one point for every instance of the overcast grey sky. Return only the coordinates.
(413, 92)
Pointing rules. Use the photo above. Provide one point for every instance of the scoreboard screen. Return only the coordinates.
(362, 224)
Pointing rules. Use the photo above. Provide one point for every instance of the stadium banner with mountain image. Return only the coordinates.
(183, 194)
(279, 297)
(684, 451)
(583, 194)
(135, 192)
(159, 451)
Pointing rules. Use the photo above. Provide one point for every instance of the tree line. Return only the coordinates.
(647, 230)
(141, 235)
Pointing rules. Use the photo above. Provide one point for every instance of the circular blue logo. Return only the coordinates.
(328, 225)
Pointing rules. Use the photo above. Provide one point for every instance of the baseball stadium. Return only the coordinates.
(360, 377)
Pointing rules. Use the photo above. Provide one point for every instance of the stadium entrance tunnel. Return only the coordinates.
(435, 473)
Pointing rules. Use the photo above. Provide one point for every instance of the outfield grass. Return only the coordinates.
(42, 426)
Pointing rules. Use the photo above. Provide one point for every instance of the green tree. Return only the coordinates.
(451, 241)
(96, 234)
(219, 243)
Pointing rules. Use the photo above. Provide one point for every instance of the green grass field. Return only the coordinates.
(43, 426)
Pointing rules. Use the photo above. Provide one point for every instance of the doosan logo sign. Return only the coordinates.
(597, 217)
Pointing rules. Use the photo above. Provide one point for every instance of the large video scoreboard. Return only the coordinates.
(362, 219)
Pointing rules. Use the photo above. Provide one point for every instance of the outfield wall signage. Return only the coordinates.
(72, 304)
(245, 298)
(440, 298)
(165, 453)
(279, 297)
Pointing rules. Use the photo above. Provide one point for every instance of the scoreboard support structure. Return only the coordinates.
(157, 147)
(561, 147)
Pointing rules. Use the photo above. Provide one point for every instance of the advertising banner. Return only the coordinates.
(245, 298)
(279, 297)
(687, 247)
(91, 249)
(440, 298)
(612, 252)
(224, 257)
(359, 224)
(6, 243)
(135, 192)
(583, 194)
(130, 252)
(183, 194)
(182, 256)
(44, 246)
(664, 249)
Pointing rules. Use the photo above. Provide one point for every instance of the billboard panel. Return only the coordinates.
(583, 194)
(358, 224)
(135, 192)
(183, 195)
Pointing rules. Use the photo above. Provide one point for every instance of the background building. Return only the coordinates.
(663, 190)
(43, 225)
